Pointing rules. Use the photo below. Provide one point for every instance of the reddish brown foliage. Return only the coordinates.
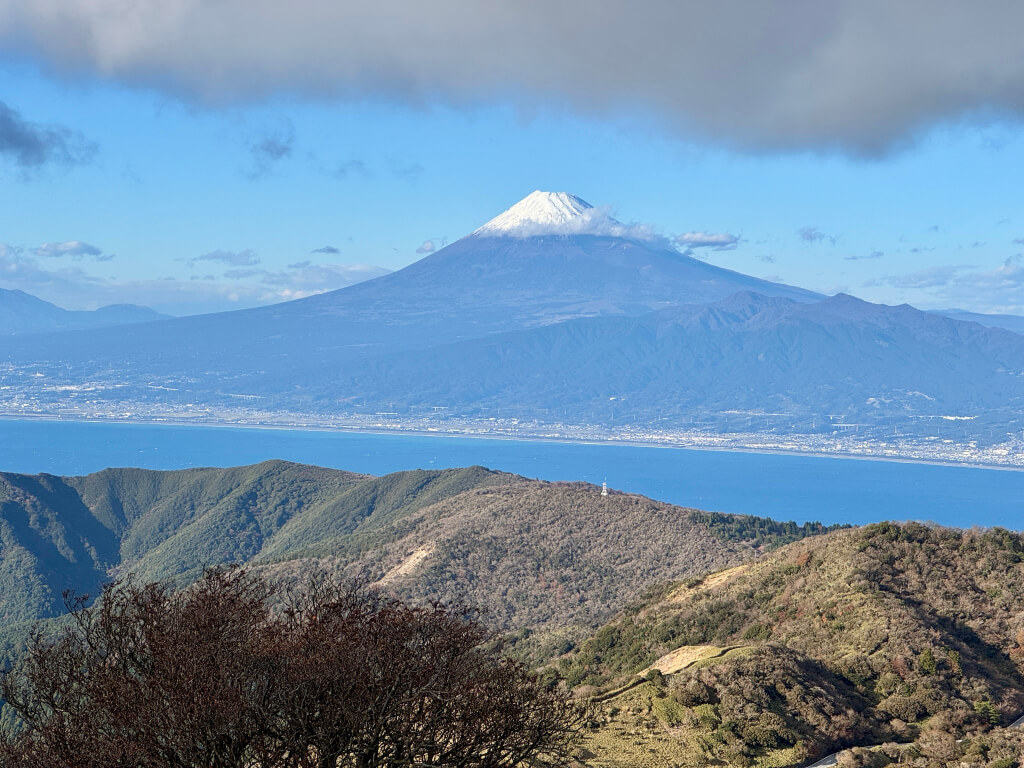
(213, 678)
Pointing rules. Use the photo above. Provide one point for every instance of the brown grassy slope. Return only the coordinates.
(536, 555)
(857, 636)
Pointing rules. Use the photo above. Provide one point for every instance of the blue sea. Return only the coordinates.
(785, 487)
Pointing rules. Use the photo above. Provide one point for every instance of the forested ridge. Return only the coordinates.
(530, 554)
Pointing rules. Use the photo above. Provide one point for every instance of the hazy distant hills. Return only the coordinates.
(1013, 323)
(529, 553)
(21, 312)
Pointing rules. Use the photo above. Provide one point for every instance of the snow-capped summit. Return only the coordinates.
(539, 213)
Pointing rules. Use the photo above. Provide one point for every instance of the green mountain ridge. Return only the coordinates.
(530, 554)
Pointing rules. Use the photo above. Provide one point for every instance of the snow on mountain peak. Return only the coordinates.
(539, 213)
(559, 213)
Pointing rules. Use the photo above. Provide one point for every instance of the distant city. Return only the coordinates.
(842, 440)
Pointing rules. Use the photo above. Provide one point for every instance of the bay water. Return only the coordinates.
(785, 487)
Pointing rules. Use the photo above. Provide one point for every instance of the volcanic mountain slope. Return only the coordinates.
(749, 354)
(507, 275)
(886, 633)
(529, 554)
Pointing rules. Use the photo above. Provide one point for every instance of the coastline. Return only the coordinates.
(524, 436)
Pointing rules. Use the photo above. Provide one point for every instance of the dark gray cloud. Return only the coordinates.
(328, 249)
(859, 76)
(270, 147)
(30, 146)
(246, 258)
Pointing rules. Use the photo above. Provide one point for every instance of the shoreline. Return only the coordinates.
(453, 434)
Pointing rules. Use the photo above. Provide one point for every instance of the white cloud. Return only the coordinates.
(591, 221)
(73, 248)
(999, 289)
(719, 241)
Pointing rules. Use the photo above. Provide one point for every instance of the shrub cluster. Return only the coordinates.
(215, 676)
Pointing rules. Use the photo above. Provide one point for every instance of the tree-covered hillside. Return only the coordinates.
(530, 554)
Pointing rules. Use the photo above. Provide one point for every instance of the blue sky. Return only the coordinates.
(148, 189)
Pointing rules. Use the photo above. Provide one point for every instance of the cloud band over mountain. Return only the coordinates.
(859, 76)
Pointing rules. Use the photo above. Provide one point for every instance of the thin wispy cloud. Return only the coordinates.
(814, 235)
(863, 256)
(75, 249)
(246, 258)
(406, 171)
(930, 277)
(326, 249)
(349, 168)
(997, 290)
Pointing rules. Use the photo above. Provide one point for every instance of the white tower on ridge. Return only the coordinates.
(604, 488)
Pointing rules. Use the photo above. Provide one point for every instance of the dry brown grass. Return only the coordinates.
(681, 658)
(408, 566)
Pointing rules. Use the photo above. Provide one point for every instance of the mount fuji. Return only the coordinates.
(551, 307)
(549, 258)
